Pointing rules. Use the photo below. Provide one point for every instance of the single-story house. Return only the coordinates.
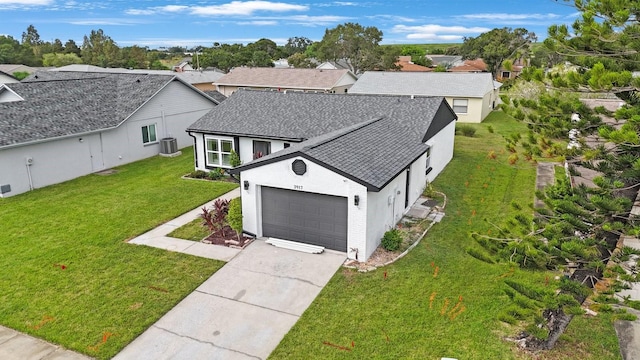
(406, 64)
(56, 126)
(279, 79)
(331, 170)
(471, 95)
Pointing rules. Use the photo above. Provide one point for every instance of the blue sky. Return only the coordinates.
(157, 23)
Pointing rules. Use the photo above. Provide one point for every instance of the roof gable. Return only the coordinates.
(319, 79)
(474, 85)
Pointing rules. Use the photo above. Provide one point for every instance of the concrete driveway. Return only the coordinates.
(243, 311)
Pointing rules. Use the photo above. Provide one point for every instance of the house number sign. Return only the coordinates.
(297, 187)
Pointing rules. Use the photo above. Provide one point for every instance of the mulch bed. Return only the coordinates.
(227, 237)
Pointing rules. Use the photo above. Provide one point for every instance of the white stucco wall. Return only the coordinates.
(441, 150)
(317, 179)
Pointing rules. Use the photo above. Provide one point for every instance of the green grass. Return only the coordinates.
(109, 290)
(193, 231)
(408, 314)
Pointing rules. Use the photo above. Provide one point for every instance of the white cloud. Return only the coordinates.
(322, 20)
(233, 8)
(245, 8)
(106, 21)
(392, 18)
(26, 2)
(508, 17)
(259, 22)
(437, 32)
(432, 29)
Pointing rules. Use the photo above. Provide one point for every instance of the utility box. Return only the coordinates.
(168, 145)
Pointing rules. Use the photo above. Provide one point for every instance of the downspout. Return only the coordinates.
(195, 149)
(28, 163)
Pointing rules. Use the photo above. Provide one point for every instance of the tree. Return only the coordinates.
(70, 47)
(296, 45)
(606, 32)
(218, 58)
(135, 57)
(267, 46)
(57, 47)
(357, 45)
(418, 54)
(300, 60)
(31, 37)
(57, 60)
(99, 49)
(498, 45)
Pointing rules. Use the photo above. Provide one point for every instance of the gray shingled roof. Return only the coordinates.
(368, 138)
(298, 116)
(62, 104)
(472, 85)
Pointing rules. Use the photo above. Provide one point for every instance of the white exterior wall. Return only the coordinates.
(64, 159)
(475, 109)
(317, 179)
(53, 162)
(441, 150)
(246, 147)
(385, 208)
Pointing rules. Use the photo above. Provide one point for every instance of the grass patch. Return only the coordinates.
(417, 312)
(193, 231)
(69, 276)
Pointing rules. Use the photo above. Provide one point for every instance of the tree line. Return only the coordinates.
(356, 46)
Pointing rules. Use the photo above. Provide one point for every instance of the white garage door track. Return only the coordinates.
(243, 311)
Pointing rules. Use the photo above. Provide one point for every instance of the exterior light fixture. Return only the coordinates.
(356, 200)
(246, 185)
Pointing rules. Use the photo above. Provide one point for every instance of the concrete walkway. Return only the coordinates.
(545, 175)
(243, 311)
(19, 346)
(158, 236)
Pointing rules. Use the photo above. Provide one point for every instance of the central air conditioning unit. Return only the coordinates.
(168, 145)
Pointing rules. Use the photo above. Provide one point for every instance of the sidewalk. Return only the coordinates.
(16, 345)
(158, 237)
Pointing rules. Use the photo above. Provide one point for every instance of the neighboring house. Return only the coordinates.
(14, 68)
(183, 66)
(472, 96)
(406, 64)
(56, 126)
(447, 61)
(305, 80)
(340, 64)
(203, 80)
(332, 170)
(7, 78)
(472, 66)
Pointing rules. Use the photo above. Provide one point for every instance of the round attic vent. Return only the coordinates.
(299, 167)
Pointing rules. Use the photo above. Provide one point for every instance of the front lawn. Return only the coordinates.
(68, 275)
(438, 301)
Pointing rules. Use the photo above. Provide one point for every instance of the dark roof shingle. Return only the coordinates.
(61, 104)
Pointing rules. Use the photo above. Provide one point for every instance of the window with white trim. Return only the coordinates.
(460, 106)
(149, 134)
(218, 151)
(428, 167)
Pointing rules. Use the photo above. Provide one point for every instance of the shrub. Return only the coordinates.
(480, 255)
(216, 174)
(467, 130)
(490, 129)
(392, 240)
(513, 158)
(198, 174)
(234, 159)
(216, 218)
(234, 217)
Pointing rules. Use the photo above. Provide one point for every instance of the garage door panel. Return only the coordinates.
(305, 217)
